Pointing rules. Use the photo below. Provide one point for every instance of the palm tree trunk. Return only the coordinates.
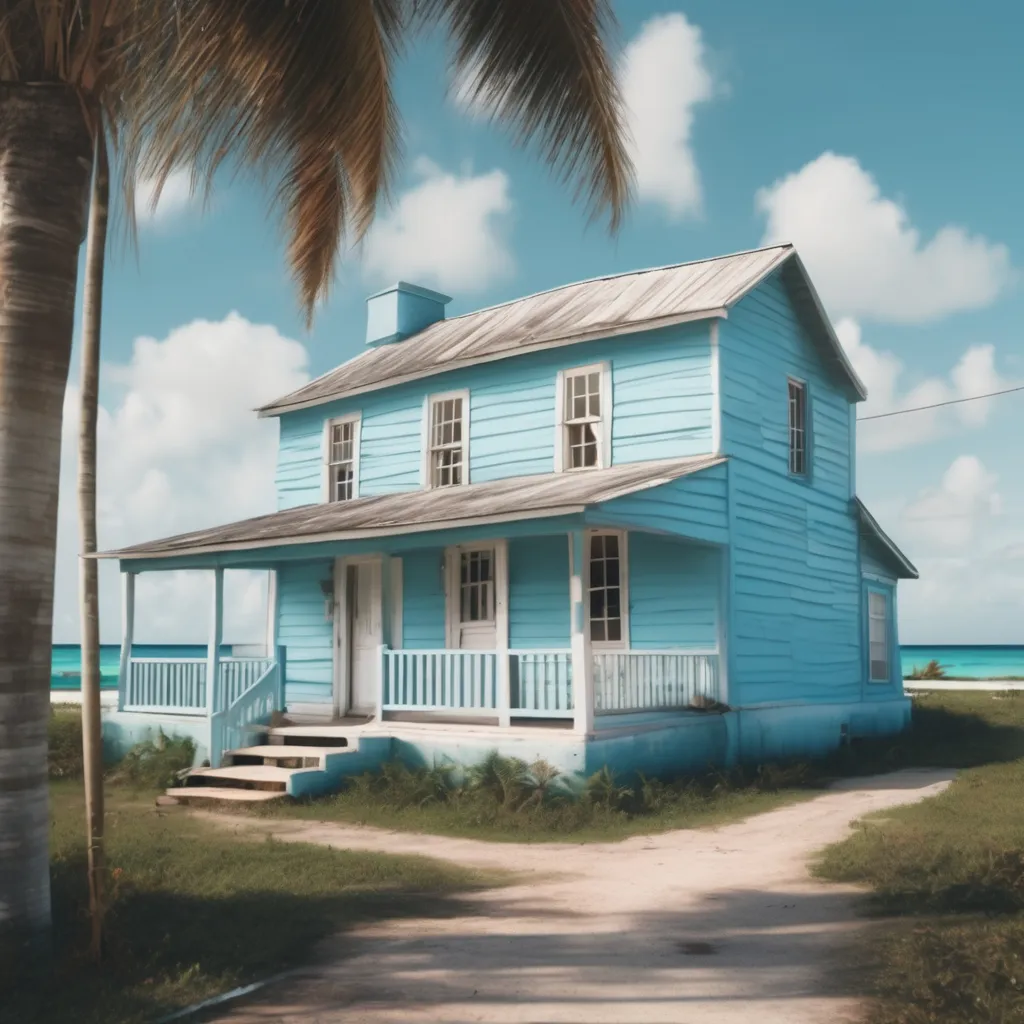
(45, 153)
(92, 731)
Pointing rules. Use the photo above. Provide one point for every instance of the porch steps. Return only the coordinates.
(213, 794)
(295, 761)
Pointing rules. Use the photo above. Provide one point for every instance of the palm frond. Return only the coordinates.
(543, 66)
(298, 91)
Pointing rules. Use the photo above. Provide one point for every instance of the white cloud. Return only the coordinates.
(865, 256)
(663, 77)
(950, 515)
(882, 372)
(448, 231)
(180, 449)
(176, 197)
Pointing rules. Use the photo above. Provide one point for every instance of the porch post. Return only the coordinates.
(127, 633)
(272, 614)
(213, 649)
(582, 668)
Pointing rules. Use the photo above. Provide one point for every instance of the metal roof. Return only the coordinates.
(604, 307)
(513, 498)
(869, 525)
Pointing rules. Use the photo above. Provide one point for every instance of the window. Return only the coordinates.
(476, 588)
(878, 637)
(342, 454)
(797, 428)
(584, 441)
(606, 589)
(446, 455)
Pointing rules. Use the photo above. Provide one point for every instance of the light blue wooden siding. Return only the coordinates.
(693, 506)
(661, 393)
(423, 599)
(673, 593)
(306, 633)
(795, 621)
(538, 600)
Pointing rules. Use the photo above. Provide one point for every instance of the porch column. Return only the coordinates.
(127, 633)
(582, 668)
(272, 614)
(213, 650)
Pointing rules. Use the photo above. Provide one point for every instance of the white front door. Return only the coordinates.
(473, 598)
(363, 601)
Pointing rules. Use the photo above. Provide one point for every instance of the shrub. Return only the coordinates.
(155, 764)
(65, 744)
(933, 670)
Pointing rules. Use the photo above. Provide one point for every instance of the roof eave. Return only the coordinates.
(867, 519)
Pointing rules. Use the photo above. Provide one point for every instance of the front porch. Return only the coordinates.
(340, 634)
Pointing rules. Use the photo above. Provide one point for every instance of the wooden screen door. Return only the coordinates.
(363, 581)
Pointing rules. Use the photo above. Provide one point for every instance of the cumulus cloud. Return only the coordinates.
(176, 197)
(882, 372)
(865, 256)
(179, 449)
(448, 231)
(664, 77)
(950, 515)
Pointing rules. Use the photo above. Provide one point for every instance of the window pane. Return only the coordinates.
(605, 603)
(614, 629)
(597, 629)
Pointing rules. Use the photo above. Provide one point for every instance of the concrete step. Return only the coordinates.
(282, 755)
(249, 776)
(212, 794)
(325, 735)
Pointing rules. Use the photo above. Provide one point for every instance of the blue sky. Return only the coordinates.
(877, 137)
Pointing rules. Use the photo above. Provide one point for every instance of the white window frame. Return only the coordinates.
(622, 643)
(804, 429)
(884, 619)
(604, 432)
(453, 591)
(356, 420)
(426, 468)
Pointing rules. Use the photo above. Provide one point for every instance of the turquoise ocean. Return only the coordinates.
(987, 662)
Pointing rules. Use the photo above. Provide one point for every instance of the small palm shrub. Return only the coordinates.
(156, 763)
(933, 670)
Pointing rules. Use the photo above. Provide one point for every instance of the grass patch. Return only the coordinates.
(197, 912)
(947, 876)
(506, 800)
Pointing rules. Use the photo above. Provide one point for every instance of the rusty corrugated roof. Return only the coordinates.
(521, 497)
(600, 308)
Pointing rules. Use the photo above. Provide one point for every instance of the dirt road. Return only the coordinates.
(719, 925)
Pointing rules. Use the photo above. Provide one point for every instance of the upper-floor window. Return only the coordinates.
(342, 459)
(878, 637)
(447, 461)
(607, 589)
(798, 428)
(584, 419)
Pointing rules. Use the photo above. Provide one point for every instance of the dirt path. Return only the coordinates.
(720, 925)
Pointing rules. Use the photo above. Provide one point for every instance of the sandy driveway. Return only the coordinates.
(719, 925)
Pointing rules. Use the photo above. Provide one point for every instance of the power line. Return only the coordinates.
(938, 405)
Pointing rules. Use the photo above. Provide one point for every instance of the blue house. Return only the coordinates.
(612, 523)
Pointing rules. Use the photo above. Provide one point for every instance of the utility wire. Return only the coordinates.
(938, 405)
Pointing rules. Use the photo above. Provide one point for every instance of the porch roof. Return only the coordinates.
(905, 569)
(507, 500)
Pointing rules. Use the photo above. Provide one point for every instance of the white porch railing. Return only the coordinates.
(178, 685)
(540, 684)
(232, 727)
(169, 685)
(627, 681)
(439, 680)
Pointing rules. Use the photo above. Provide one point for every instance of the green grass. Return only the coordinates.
(520, 811)
(197, 912)
(946, 876)
(948, 731)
